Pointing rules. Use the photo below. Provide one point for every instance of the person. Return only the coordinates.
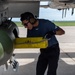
(48, 58)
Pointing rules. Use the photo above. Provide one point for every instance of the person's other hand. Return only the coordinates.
(49, 34)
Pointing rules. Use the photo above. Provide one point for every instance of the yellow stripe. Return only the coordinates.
(32, 42)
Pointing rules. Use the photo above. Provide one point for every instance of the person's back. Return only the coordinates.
(43, 27)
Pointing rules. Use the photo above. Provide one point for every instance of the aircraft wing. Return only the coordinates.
(13, 8)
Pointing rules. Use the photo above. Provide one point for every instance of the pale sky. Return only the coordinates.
(54, 14)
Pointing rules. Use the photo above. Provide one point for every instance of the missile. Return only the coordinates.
(8, 32)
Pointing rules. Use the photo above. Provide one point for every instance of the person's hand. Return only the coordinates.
(49, 34)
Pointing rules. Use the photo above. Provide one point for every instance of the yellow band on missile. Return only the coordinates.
(31, 42)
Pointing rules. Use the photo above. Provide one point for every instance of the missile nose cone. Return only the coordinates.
(1, 51)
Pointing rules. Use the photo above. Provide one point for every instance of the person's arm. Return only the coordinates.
(60, 31)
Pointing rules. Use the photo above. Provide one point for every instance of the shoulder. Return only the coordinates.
(45, 21)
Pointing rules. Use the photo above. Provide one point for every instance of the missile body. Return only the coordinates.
(8, 32)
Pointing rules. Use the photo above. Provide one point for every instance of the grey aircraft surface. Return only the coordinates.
(12, 9)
